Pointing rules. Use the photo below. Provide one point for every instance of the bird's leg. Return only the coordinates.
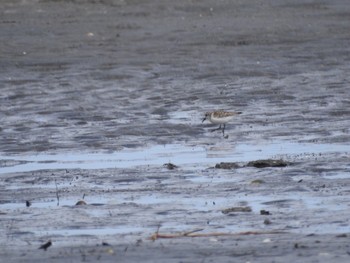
(216, 129)
(223, 130)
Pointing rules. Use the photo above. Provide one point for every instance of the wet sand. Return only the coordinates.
(98, 95)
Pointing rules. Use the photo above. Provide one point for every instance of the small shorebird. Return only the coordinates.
(220, 117)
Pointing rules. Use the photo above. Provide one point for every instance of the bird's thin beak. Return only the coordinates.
(204, 119)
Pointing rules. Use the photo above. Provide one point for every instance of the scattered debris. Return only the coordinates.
(227, 165)
(46, 245)
(236, 209)
(257, 181)
(193, 233)
(57, 195)
(296, 245)
(342, 235)
(264, 212)
(267, 163)
(170, 166)
(267, 222)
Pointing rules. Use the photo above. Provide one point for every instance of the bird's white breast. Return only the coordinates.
(220, 120)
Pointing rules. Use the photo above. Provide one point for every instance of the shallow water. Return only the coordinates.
(175, 153)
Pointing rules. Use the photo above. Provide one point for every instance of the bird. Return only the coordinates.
(220, 117)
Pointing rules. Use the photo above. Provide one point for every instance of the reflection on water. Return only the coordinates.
(160, 154)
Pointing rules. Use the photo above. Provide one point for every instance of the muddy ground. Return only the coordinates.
(97, 95)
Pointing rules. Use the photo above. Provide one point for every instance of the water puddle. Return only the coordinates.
(337, 176)
(92, 231)
(160, 154)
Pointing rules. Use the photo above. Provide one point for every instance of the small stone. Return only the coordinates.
(81, 202)
(226, 165)
(267, 222)
(46, 245)
(236, 209)
(170, 166)
(264, 212)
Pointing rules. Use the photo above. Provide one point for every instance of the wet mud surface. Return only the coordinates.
(102, 102)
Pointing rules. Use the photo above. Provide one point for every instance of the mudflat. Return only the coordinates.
(103, 153)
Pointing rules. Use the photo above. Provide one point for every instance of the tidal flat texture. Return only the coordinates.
(103, 153)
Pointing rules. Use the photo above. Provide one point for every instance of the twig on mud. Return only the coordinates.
(57, 196)
(156, 235)
(193, 231)
(159, 225)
